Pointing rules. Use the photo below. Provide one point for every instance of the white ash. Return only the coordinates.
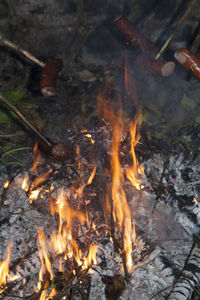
(161, 249)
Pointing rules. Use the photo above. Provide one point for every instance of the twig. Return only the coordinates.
(161, 291)
(186, 14)
(25, 121)
(19, 50)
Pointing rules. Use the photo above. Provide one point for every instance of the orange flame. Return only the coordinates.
(121, 211)
(91, 258)
(25, 185)
(79, 191)
(44, 257)
(41, 179)
(62, 242)
(33, 195)
(133, 172)
(37, 156)
(4, 270)
(118, 203)
(6, 184)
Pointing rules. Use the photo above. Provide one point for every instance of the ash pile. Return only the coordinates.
(102, 226)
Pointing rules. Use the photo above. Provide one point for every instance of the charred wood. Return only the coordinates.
(190, 276)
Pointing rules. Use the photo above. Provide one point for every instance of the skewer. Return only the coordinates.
(6, 43)
(23, 119)
(57, 152)
(186, 14)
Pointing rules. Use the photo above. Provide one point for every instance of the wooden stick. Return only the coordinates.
(4, 42)
(22, 118)
(186, 14)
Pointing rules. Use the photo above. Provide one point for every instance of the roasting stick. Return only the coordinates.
(186, 14)
(25, 121)
(4, 42)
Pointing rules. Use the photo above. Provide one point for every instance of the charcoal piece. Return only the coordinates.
(114, 286)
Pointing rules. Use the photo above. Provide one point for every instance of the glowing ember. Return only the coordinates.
(33, 195)
(25, 185)
(89, 136)
(195, 200)
(6, 184)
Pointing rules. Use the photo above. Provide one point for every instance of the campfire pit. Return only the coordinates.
(91, 228)
(118, 215)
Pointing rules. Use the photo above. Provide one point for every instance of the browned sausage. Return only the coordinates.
(160, 67)
(50, 75)
(136, 38)
(189, 61)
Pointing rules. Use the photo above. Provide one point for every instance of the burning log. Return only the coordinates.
(50, 75)
(190, 277)
(189, 61)
(162, 67)
(137, 39)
